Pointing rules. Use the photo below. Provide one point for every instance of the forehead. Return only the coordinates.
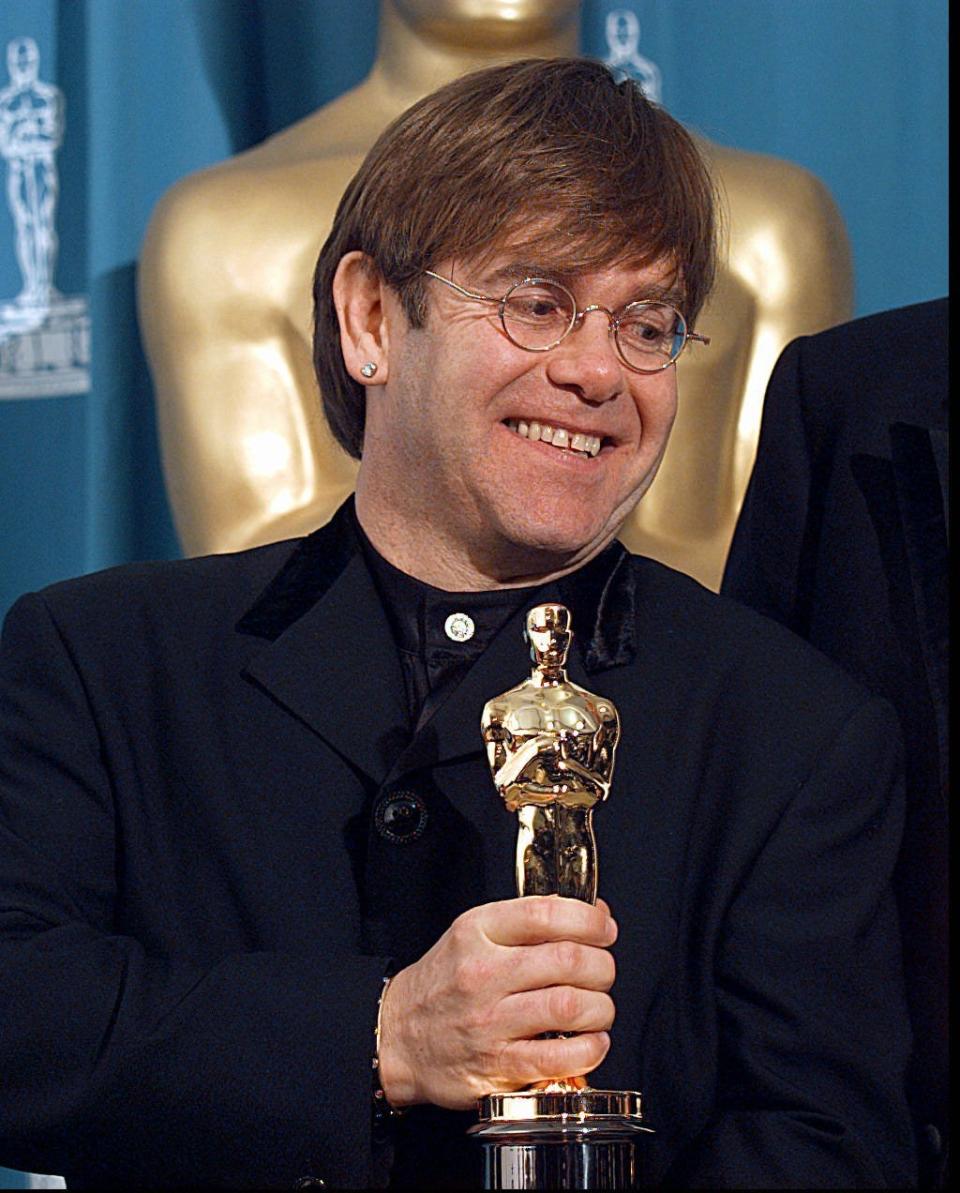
(571, 254)
(623, 278)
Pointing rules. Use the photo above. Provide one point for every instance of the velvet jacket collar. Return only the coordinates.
(327, 653)
(604, 590)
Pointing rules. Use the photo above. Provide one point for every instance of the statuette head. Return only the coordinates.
(549, 635)
(23, 61)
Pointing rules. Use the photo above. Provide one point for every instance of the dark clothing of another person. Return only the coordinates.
(843, 538)
(202, 882)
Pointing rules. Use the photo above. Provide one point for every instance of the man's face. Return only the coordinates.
(443, 435)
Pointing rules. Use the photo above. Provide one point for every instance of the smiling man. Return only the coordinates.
(540, 268)
(246, 814)
(540, 427)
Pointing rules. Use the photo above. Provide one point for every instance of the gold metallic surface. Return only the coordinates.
(225, 304)
(551, 747)
(577, 1107)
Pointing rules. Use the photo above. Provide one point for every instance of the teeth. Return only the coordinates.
(587, 444)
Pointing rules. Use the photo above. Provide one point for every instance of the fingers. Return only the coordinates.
(470, 1014)
(524, 1061)
(536, 919)
(558, 1008)
(562, 963)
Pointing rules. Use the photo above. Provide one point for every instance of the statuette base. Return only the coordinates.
(583, 1139)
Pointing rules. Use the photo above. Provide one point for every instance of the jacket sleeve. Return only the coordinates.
(120, 1065)
(813, 1032)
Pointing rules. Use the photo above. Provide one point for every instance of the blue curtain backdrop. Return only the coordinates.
(855, 90)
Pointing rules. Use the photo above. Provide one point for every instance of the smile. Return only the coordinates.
(558, 437)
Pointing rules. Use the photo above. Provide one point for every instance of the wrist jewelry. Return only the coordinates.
(383, 1112)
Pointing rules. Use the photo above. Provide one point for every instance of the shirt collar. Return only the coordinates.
(427, 620)
(601, 594)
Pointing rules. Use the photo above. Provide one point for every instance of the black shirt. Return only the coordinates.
(438, 634)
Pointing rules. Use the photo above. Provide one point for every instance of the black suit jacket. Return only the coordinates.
(843, 538)
(197, 906)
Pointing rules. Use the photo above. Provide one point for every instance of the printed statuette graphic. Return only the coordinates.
(622, 30)
(44, 335)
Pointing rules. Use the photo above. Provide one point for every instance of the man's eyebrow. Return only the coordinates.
(515, 271)
(668, 292)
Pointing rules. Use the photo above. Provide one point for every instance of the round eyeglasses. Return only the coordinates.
(537, 314)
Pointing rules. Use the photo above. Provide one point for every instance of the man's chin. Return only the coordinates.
(541, 547)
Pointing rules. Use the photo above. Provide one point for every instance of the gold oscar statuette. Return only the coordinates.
(551, 745)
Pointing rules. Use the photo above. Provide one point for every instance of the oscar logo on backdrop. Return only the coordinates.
(622, 31)
(44, 336)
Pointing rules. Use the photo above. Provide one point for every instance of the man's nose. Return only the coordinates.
(586, 360)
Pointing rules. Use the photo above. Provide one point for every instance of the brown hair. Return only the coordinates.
(554, 148)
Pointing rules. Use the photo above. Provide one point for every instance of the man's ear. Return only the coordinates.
(358, 297)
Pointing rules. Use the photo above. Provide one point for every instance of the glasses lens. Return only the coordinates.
(537, 314)
(651, 335)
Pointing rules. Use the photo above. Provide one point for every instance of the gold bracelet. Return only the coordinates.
(382, 1110)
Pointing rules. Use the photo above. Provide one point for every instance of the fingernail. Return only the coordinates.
(611, 929)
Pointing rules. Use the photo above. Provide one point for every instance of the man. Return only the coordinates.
(843, 538)
(241, 791)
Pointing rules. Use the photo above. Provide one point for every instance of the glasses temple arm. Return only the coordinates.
(459, 289)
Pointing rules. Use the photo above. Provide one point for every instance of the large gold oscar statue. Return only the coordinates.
(225, 304)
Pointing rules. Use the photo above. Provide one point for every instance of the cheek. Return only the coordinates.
(656, 404)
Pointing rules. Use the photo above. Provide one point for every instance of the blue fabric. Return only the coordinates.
(153, 91)
(855, 90)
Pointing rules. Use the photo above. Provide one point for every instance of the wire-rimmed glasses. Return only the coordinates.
(537, 314)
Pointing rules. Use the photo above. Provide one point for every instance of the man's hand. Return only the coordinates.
(463, 1021)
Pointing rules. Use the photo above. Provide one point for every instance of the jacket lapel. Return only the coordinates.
(906, 502)
(920, 476)
(330, 659)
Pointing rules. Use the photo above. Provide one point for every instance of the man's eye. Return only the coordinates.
(535, 306)
(646, 332)
(542, 307)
